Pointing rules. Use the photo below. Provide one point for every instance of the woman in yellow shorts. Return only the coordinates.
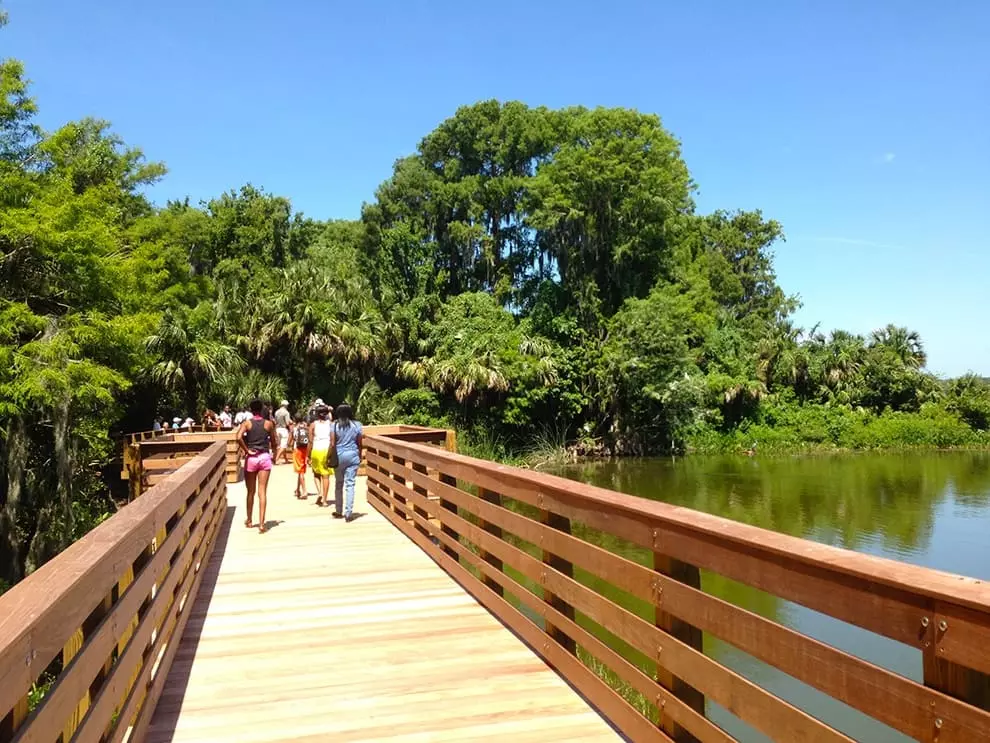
(319, 450)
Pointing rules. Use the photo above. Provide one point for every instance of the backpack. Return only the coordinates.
(301, 436)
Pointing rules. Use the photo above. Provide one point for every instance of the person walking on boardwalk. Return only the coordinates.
(319, 453)
(254, 438)
(299, 443)
(283, 420)
(347, 439)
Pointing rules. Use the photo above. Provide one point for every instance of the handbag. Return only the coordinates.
(332, 459)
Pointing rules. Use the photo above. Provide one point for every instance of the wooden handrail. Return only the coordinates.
(114, 605)
(138, 436)
(501, 531)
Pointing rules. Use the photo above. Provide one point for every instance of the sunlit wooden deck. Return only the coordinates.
(321, 630)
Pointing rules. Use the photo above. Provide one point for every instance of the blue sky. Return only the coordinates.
(863, 127)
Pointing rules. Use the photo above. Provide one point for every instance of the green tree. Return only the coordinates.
(189, 359)
(903, 343)
(969, 397)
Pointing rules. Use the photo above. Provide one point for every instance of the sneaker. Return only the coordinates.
(337, 515)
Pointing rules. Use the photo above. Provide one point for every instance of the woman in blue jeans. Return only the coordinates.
(346, 438)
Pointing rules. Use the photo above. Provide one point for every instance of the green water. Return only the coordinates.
(926, 509)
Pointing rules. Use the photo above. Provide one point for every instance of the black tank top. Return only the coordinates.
(256, 437)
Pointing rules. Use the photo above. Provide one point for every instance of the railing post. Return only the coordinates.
(10, 724)
(132, 462)
(452, 507)
(73, 646)
(560, 523)
(689, 575)
(496, 531)
(385, 489)
(947, 677)
(450, 440)
(426, 494)
(400, 479)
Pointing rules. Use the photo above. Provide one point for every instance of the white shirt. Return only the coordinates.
(321, 434)
(225, 419)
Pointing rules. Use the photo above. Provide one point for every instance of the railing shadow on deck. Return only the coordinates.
(170, 702)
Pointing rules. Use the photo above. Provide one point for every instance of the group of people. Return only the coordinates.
(211, 421)
(327, 441)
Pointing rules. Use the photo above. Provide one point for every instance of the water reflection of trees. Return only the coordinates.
(846, 500)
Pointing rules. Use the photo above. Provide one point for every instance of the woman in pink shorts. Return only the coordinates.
(254, 438)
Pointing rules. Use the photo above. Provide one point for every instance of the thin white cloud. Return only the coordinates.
(888, 157)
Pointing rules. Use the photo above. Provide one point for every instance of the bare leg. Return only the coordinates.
(301, 485)
(251, 481)
(325, 489)
(262, 498)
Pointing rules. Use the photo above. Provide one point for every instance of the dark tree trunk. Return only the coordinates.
(63, 467)
(11, 548)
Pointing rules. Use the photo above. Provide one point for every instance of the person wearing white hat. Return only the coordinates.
(311, 413)
(283, 419)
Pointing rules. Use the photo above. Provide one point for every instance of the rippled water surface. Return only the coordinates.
(927, 509)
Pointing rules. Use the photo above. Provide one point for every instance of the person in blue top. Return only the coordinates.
(346, 437)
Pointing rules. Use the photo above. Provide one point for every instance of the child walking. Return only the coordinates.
(299, 443)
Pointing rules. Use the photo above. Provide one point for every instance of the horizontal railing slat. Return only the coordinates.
(75, 679)
(884, 596)
(742, 697)
(946, 616)
(623, 715)
(142, 698)
(39, 615)
(894, 700)
(173, 587)
(704, 730)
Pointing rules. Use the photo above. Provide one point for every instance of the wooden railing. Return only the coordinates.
(97, 627)
(520, 542)
(139, 436)
(149, 460)
(150, 456)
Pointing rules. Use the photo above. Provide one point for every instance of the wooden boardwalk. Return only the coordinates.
(321, 630)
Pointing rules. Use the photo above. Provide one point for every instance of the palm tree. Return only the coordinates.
(318, 316)
(781, 357)
(243, 386)
(188, 361)
(475, 368)
(838, 360)
(905, 344)
(463, 375)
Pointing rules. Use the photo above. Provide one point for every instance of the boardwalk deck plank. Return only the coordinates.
(321, 630)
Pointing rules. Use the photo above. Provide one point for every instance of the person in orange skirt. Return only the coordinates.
(299, 443)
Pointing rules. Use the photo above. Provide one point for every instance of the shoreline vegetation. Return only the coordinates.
(532, 277)
(862, 433)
